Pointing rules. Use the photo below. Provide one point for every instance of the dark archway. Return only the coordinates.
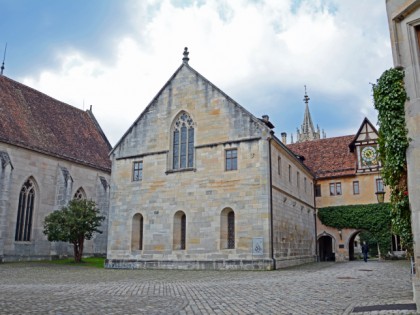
(325, 244)
(352, 244)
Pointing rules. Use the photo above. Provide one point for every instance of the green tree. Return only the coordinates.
(78, 221)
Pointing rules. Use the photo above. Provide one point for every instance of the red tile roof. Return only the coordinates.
(329, 157)
(33, 120)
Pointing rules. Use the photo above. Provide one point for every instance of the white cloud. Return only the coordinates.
(244, 47)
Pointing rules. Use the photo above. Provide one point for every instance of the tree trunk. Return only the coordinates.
(78, 250)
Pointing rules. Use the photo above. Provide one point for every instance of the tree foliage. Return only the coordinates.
(389, 99)
(78, 221)
(374, 218)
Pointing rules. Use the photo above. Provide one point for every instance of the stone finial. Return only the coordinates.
(265, 118)
(186, 53)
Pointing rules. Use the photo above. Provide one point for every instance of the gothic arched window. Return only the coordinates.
(183, 142)
(25, 212)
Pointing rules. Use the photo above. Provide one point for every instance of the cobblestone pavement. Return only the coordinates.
(321, 288)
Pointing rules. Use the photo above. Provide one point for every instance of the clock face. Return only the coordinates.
(369, 156)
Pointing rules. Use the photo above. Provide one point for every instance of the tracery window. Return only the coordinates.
(25, 212)
(183, 142)
(79, 194)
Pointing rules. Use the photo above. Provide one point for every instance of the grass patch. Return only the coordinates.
(96, 262)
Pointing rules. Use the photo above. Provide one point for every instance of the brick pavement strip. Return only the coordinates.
(321, 288)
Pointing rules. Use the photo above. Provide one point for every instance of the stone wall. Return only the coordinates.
(293, 210)
(53, 190)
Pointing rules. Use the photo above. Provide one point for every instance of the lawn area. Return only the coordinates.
(96, 262)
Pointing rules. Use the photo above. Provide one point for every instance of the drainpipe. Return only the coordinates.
(316, 231)
(271, 202)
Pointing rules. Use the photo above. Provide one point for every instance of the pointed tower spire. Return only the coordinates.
(307, 125)
(307, 130)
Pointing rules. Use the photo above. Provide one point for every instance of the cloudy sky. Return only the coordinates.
(116, 55)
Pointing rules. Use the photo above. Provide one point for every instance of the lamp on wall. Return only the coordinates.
(380, 195)
(341, 234)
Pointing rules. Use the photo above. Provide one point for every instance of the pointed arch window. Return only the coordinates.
(183, 142)
(25, 212)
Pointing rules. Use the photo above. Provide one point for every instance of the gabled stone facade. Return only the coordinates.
(221, 193)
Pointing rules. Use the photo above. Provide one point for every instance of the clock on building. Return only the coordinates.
(369, 156)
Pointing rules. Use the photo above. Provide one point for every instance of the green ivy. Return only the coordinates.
(389, 99)
(374, 218)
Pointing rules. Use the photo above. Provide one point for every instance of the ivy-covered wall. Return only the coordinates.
(375, 218)
(389, 97)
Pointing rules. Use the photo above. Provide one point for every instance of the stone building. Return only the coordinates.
(347, 172)
(198, 182)
(50, 152)
(404, 26)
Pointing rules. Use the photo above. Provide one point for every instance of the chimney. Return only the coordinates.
(284, 137)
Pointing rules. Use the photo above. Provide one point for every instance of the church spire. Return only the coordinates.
(307, 125)
(307, 131)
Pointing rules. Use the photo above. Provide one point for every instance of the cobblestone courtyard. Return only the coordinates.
(323, 288)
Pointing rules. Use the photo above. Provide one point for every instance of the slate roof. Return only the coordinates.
(33, 120)
(326, 158)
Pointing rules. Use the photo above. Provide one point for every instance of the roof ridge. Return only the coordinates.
(40, 92)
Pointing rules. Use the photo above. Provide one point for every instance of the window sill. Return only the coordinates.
(189, 169)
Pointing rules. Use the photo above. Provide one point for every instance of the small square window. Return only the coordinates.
(332, 189)
(356, 188)
(379, 185)
(335, 189)
(231, 159)
(318, 190)
(137, 171)
(338, 188)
